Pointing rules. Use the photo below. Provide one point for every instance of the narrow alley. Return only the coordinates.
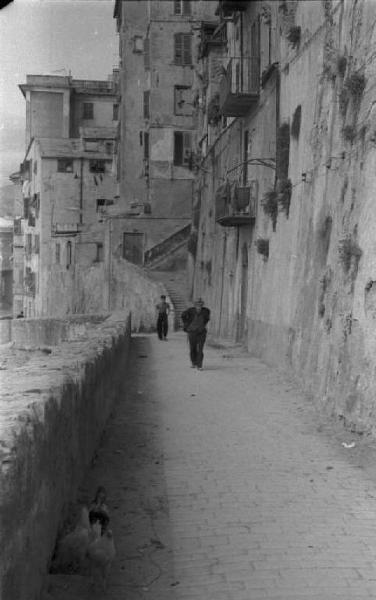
(225, 485)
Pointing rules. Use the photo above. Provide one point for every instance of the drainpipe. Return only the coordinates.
(277, 113)
(81, 190)
(222, 282)
(241, 53)
(109, 263)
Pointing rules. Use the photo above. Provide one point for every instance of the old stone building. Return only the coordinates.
(283, 241)
(68, 183)
(159, 43)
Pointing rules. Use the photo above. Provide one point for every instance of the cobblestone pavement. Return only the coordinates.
(225, 485)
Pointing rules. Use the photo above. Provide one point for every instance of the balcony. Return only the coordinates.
(227, 7)
(235, 211)
(66, 228)
(240, 86)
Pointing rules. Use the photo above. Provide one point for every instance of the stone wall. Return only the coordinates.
(54, 408)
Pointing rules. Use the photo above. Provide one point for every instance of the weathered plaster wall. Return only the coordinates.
(102, 112)
(46, 110)
(311, 305)
(53, 410)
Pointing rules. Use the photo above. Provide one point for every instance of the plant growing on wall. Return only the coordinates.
(293, 36)
(353, 87)
(349, 133)
(214, 112)
(296, 121)
(270, 206)
(349, 253)
(341, 64)
(262, 246)
(355, 83)
(284, 195)
(283, 151)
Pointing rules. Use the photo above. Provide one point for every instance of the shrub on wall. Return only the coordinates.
(270, 206)
(296, 121)
(262, 246)
(341, 64)
(284, 195)
(349, 253)
(283, 151)
(293, 36)
(349, 133)
(355, 83)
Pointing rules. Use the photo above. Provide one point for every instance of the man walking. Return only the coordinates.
(195, 320)
(163, 310)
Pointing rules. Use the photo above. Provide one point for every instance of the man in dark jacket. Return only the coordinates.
(163, 310)
(195, 320)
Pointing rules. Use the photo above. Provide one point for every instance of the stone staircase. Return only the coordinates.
(167, 248)
(176, 287)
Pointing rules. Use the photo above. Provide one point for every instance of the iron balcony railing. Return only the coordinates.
(240, 86)
(236, 209)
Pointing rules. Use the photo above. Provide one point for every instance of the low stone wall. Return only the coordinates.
(52, 331)
(52, 412)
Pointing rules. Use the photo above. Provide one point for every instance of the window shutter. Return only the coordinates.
(178, 48)
(178, 148)
(147, 104)
(187, 54)
(186, 7)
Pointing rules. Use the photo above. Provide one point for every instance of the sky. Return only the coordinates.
(48, 37)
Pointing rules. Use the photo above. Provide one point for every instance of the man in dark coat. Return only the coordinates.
(194, 321)
(163, 310)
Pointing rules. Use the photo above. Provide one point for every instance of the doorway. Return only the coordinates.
(133, 247)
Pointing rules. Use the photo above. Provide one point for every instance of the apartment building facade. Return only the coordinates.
(159, 43)
(67, 185)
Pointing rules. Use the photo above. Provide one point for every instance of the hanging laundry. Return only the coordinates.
(95, 180)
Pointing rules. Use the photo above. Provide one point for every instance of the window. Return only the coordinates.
(35, 167)
(97, 166)
(147, 105)
(57, 253)
(182, 100)
(69, 254)
(88, 110)
(29, 243)
(36, 244)
(101, 203)
(115, 112)
(17, 227)
(138, 44)
(108, 146)
(183, 52)
(147, 54)
(146, 145)
(182, 7)
(182, 148)
(65, 165)
(99, 254)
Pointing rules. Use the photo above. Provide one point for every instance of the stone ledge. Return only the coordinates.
(52, 414)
